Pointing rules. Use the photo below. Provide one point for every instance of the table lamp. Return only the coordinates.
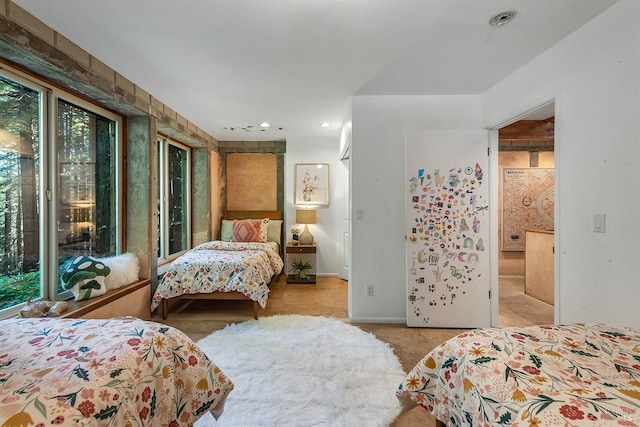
(305, 216)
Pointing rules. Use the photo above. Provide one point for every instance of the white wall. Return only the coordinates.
(594, 77)
(377, 190)
(594, 74)
(325, 231)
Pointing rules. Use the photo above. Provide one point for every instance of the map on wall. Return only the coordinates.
(527, 203)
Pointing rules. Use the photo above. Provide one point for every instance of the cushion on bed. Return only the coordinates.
(274, 231)
(250, 230)
(84, 276)
(226, 230)
(124, 270)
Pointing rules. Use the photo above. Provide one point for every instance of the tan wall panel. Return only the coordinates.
(252, 181)
(539, 264)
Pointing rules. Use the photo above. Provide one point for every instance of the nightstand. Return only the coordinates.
(304, 253)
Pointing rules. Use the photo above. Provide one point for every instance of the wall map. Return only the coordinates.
(445, 246)
(527, 203)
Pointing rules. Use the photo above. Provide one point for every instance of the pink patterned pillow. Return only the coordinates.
(250, 230)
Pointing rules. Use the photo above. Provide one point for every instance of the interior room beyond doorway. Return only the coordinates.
(526, 205)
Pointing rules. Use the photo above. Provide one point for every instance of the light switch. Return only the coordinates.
(599, 223)
(359, 215)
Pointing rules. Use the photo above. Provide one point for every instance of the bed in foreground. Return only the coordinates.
(565, 375)
(117, 372)
(240, 266)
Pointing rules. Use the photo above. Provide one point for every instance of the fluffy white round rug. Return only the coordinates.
(306, 371)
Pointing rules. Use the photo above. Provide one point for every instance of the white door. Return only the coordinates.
(448, 256)
(344, 251)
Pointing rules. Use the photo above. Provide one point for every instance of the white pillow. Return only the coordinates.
(124, 270)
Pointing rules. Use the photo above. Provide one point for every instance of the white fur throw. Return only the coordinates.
(124, 270)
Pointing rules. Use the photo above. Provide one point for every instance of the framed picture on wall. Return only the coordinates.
(312, 184)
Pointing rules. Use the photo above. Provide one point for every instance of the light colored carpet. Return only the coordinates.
(293, 370)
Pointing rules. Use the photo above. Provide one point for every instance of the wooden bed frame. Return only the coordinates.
(234, 296)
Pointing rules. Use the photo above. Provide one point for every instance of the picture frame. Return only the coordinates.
(311, 184)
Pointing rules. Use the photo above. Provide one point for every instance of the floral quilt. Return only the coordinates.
(117, 372)
(245, 267)
(565, 375)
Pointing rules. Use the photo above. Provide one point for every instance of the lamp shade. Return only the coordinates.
(305, 216)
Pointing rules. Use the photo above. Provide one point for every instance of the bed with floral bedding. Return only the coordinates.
(221, 270)
(116, 372)
(560, 375)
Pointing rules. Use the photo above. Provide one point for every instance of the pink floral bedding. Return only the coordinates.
(245, 267)
(567, 375)
(125, 372)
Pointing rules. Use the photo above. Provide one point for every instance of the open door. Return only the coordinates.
(344, 251)
(344, 239)
(448, 257)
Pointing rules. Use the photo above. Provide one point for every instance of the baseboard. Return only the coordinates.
(400, 320)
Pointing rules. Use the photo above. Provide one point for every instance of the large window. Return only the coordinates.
(58, 184)
(87, 183)
(20, 130)
(174, 189)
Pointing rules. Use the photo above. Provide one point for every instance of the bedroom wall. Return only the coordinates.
(594, 75)
(377, 189)
(325, 231)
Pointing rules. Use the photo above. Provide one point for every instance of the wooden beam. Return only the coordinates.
(529, 130)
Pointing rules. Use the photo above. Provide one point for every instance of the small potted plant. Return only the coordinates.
(301, 268)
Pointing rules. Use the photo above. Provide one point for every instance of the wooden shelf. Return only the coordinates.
(291, 278)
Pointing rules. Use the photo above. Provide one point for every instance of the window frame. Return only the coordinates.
(163, 143)
(48, 177)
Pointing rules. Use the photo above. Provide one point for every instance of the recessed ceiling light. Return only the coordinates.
(325, 125)
(499, 19)
(265, 125)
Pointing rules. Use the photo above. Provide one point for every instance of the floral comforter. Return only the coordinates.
(124, 372)
(245, 267)
(567, 375)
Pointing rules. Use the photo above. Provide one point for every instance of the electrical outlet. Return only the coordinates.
(370, 290)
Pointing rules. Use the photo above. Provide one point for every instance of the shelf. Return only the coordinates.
(291, 278)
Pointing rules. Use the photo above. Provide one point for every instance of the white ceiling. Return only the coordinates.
(296, 63)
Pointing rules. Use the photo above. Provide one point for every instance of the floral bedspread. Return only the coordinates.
(566, 375)
(224, 267)
(117, 372)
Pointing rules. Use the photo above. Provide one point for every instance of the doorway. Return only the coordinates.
(526, 200)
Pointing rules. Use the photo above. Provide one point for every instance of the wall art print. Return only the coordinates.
(446, 244)
(312, 184)
(527, 203)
